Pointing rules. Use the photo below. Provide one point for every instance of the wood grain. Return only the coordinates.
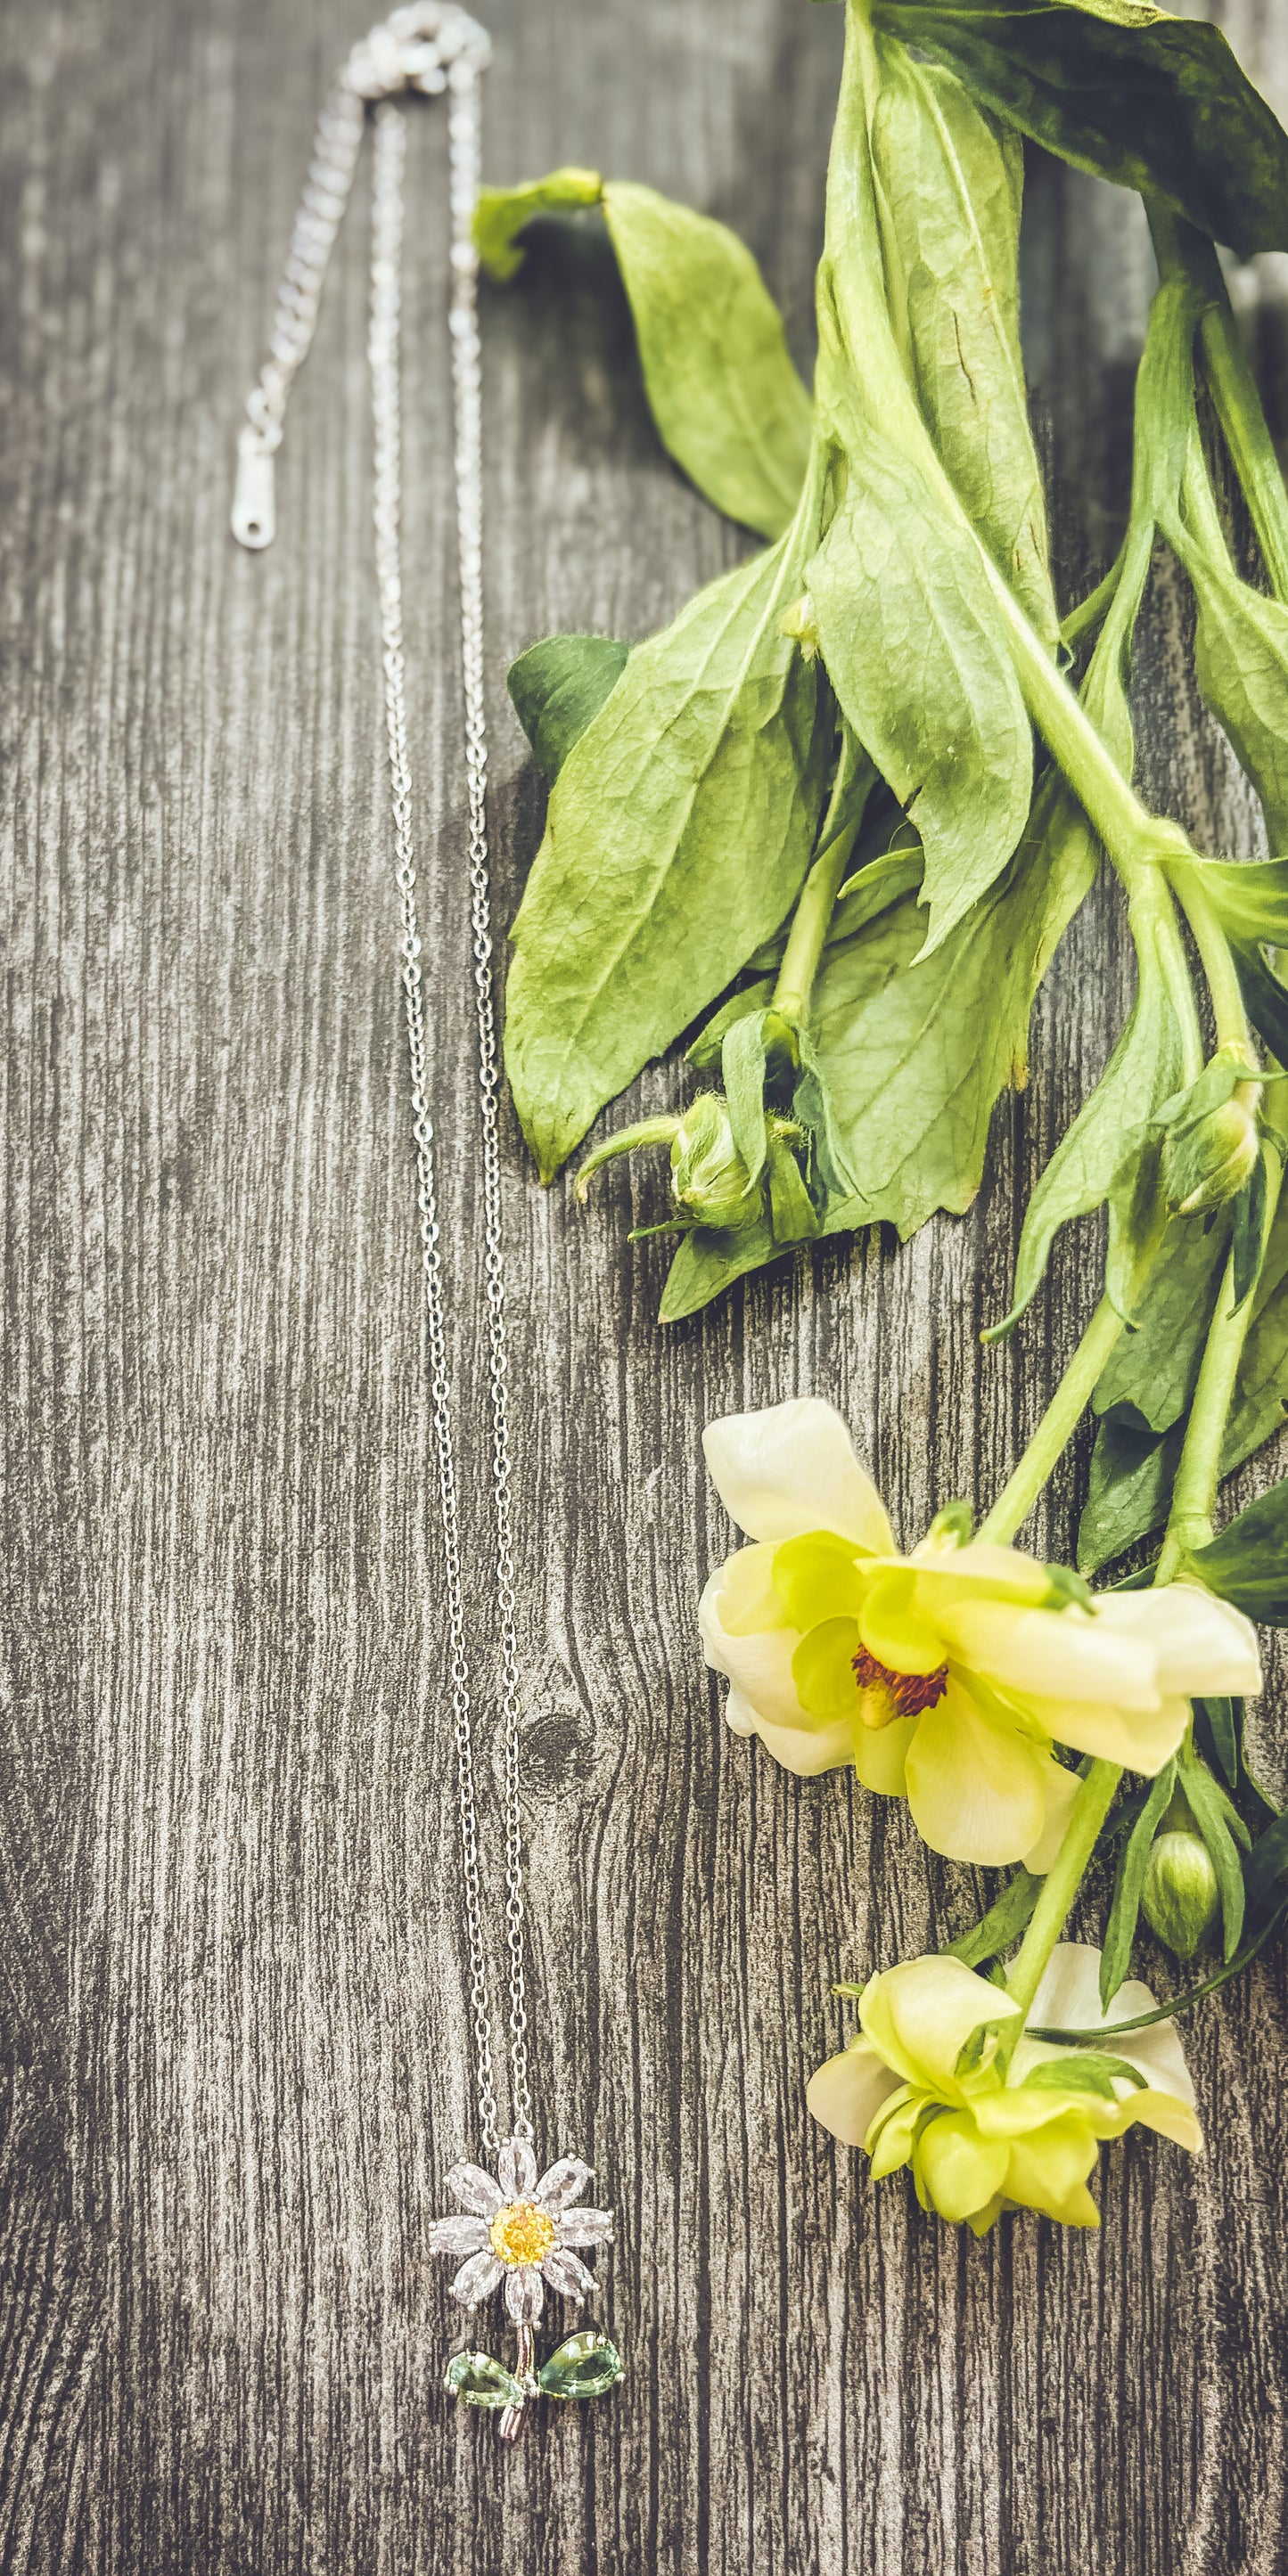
(234, 2059)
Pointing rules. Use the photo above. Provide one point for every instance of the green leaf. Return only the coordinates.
(1090, 2070)
(1151, 1374)
(1099, 1156)
(1241, 663)
(1248, 1563)
(707, 1263)
(791, 1211)
(910, 636)
(1128, 1490)
(1001, 1927)
(708, 1048)
(501, 213)
(1265, 1873)
(915, 1049)
(1223, 1721)
(1132, 1469)
(1150, 101)
(1214, 1816)
(1265, 998)
(558, 688)
(678, 833)
(1145, 1392)
(728, 402)
(478, 2380)
(951, 185)
(583, 2365)
(1250, 897)
(1249, 1233)
(912, 1051)
(1129, 1878)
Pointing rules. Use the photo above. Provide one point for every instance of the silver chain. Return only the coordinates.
(428, 48)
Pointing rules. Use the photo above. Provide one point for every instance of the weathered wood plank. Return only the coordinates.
(232, 2005)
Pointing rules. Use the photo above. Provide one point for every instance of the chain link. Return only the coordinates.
(429, 48)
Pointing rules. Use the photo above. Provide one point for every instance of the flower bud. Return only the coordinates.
(709, 1178)
(1210, 1162)
(1209, 1155)
(1180, 1896)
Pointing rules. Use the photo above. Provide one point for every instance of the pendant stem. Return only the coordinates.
(513, 2418)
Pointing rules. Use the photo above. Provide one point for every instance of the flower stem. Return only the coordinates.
(1059, 1888)
(1189, 1522)
(1057, 1426)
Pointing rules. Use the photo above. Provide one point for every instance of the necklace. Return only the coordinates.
(520, 2231)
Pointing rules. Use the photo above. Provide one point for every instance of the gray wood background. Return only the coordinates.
(234, 2065)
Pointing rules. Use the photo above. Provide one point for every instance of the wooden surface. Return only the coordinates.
(233, 2042)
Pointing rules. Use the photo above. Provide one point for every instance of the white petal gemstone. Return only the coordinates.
(475, 2189)
(567, 2275)
(516, 2169)
(476, 2279)
(586, 2227)
(458, 2236)
(563, 2183)
(524, 2296)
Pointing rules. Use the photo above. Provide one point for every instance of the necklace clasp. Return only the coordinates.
(417, 48)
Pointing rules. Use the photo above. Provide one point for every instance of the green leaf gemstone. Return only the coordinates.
(481, 2381)
(584, 2365)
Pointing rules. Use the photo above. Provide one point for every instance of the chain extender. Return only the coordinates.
(431, 49)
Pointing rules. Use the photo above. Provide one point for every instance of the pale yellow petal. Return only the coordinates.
(980, 1570)
(919, 2016)
(792, 1469)
(1068, 1998)
(1060, 1788)
(1053, 1654)
(1204, 1648)
(747, 1600)
(847, 2092)
(1178, 2121)
(881, 1753)
(1140, 1739)
(960, 2170)
(804, 1751)
(761, 1665)
(977, 1789)
(1049, 2172)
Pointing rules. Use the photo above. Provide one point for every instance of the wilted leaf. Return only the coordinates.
(558, 687)
(951, 181)
(1151, 101)
(1248, 1563)
(679, 829)
(728, 402)
(913, 649)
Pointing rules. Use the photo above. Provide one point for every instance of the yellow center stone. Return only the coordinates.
(522, 2233)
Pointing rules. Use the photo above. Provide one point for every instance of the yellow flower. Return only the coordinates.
(921, 2086)
(946, 1676)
